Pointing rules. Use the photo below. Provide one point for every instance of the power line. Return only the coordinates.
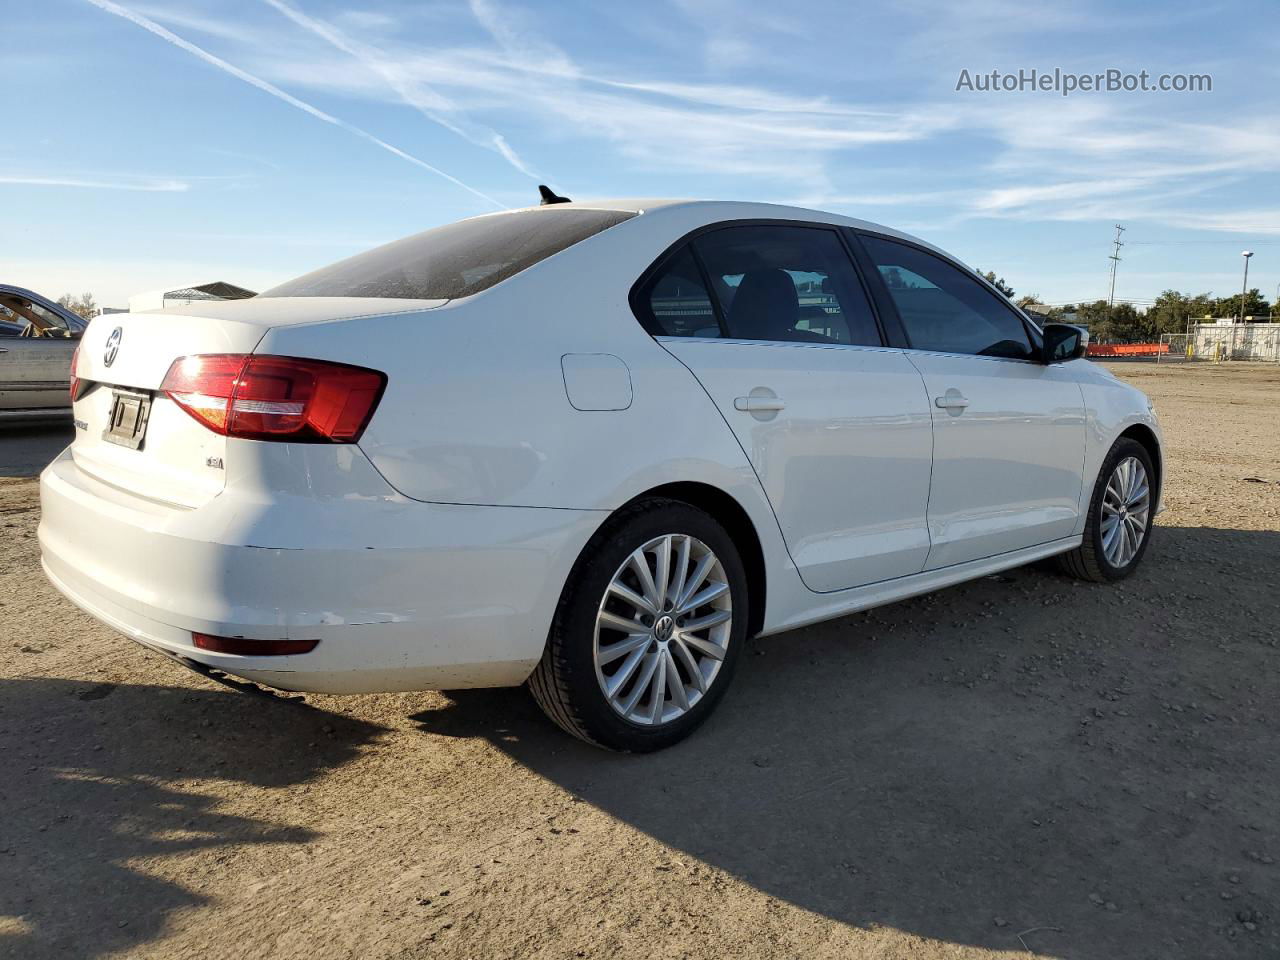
(1161, 243)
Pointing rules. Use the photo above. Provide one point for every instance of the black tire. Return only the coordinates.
(1089, 560)
(565, 683)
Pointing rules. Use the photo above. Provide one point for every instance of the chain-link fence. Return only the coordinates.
(1176, 348)
(1217, 342)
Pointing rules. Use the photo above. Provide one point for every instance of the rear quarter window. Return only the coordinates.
(456, 260)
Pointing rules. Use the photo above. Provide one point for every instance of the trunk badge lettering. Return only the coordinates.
(113, 346)
(215, 462)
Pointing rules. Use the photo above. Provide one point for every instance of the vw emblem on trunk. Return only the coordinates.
(113, 346)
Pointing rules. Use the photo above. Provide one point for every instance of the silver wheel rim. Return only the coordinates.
(662, 630)
(1126, 512)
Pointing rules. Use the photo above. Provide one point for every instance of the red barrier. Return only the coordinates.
(1126, 349)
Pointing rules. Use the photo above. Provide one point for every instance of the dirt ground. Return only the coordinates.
(1022, 766)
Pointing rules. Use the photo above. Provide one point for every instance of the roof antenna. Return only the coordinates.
(549, 196)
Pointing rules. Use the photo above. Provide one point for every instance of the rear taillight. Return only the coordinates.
(275, 398)
(75, 381)
(243, 647)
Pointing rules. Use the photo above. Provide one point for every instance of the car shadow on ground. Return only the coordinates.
(98, 778)
(1093, 764)
(27, 448)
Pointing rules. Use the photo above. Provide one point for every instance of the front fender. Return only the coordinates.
(1113, 407)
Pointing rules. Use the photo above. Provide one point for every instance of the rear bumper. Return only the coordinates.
(402, 595)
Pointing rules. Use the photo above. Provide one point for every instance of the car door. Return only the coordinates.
(1009, 431)
(34, 370)
(773, 321)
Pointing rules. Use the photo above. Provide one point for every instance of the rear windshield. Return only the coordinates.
(456, 260)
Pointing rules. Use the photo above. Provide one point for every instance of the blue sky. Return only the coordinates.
(170, 141)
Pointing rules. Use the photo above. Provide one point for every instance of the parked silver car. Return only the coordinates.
(37, 339)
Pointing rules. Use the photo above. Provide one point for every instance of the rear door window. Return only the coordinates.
(786, 283)
(456, 260)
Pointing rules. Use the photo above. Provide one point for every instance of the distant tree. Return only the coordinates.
(1027, 299)
(1120, 323)
(999, 284)
(1173, 311)
(1127, 323)
(1094, 315)
(83, 305)
(1254, 306)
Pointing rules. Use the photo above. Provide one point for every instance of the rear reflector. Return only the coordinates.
(252, 648)
(258, 397)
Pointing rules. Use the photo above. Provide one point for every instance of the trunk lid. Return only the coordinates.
(179, 461)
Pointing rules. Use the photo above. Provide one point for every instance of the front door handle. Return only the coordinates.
(756, 404)
(952, 401)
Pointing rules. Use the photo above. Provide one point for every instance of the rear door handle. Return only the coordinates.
(951, 402)
(755, 404)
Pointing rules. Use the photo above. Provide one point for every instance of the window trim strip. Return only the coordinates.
(716, 309)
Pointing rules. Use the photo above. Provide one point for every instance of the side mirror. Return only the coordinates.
(1063, 342)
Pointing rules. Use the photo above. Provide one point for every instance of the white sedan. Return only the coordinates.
(591, 447)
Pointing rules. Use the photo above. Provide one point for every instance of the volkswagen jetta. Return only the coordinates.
(590, 447)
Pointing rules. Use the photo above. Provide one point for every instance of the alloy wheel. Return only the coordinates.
(662, 629)
(1126, 512)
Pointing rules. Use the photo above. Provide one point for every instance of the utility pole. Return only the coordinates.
(1245, 286)
(1115, 262)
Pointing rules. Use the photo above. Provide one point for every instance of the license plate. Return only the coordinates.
(128, 423)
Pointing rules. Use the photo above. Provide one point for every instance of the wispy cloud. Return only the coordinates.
(721, 128)
(669, 125)
(150, 25)
(517, 35)
(1264, 220)
(1044, 161)
(141, 185)
(426, 101)
(715, 129)
(736, 35)
(775, 131)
